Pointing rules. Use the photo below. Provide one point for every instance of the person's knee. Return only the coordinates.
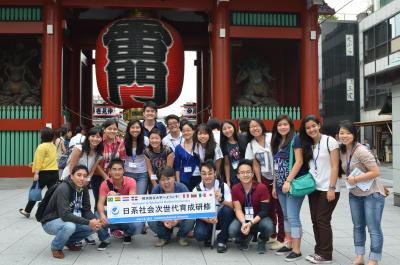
(68, 228)
(234, 228)
(201, 233)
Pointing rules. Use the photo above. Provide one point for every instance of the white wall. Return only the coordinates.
(396, 142)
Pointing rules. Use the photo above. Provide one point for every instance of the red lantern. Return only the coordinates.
(139, 60)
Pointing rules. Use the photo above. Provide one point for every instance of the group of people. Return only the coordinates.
(250, 170)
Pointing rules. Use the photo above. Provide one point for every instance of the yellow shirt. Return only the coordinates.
(45, 157)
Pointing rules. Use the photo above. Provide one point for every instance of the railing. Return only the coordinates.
(17, 147)
(265, 19)
(20, 14)
(20, 112)
(264, 112)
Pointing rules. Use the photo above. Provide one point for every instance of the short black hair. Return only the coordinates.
(247, 162)
(79, 129)
(46, 134)
(109, 122)
(150, 104)
(171, 117)
(116, 161)
(214, 124)
(79, 167)
(209, 163)
(165, 171)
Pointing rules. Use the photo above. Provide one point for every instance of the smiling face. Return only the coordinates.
(155, 140)
(150, 114)
(111, 131)
(346, 137)
(283, 127)
(187, 132)
(228, 130)
(95, 140)
(312, 129)
(255, 129)
(135, 130)
(173, 125)
(245, 174)
(79, 178)
(207, 176)
(203, 137)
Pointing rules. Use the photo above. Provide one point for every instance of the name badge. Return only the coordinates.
(313, 172)
(187, 169)
(132, 165)
(153, 177)
(77, 213)
(248, 213)
(276, 167)
(196, 171)
(235, 164)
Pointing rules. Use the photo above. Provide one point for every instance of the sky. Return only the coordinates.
(188, 93)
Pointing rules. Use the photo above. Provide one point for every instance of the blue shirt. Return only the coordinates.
(159, 125)
(184, 159)
(178, 188)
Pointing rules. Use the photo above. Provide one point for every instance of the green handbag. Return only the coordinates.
(301, 185)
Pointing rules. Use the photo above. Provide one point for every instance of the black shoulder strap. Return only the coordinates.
(327, 144)
(110, 185)
(222, 187)
(198, 188)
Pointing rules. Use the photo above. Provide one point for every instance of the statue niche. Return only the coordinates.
(254, 80)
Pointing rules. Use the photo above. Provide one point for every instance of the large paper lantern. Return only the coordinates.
(139, 60)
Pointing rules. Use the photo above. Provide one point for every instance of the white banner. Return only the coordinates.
(349, 45)
(159, 207)
(350, 89)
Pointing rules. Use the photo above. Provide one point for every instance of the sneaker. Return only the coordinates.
(127, 240)
(271, 240)
(261, 249)
(207, 243)
(161, 242)
(310, 257)
(117, 234)
(26, 214)
(293, 256)
(183, 242)
(320, 260)
(73, 247)
(58, 254)
(283, 251)
(79, 244)
(244, 244)
(276, 245)
(222, 248)
(103, 245)
(90, 241)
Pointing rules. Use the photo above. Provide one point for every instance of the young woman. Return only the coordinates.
(88, 154)
(366, 206)
(259, 151)
(324, 167)
(233, 150)
(135, 163)
(157, 155)
(44, 167)
(113, 147)
(186, 164)
(205, 146)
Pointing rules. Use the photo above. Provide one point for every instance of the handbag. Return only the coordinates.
(35, 192)
(301, 185)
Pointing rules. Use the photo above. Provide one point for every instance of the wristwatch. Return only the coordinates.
(332, 187)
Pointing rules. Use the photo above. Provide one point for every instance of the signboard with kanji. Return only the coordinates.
(107, 111)
(161, 207)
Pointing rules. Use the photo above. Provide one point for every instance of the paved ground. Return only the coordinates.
(22, 241)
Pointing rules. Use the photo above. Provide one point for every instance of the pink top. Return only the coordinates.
(128, 186)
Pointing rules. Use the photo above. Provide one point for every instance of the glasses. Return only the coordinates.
(210, 173)
(172, 123)
(248, 173)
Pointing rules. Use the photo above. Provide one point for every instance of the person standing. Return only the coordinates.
(150, 119)
(174, 136)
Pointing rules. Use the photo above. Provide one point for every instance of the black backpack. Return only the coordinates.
(221, 187)
(45, 201)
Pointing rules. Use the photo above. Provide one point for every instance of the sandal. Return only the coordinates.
(22, 211)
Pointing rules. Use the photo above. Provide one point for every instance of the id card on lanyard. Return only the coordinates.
(314, 171)
(248, 208)
(133, 164)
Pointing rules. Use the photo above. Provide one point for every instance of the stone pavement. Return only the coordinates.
(22, 241)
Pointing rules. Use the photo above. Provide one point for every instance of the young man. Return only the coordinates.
(251, 203)
(150, 119)
(174, 137)
(68, 215)
(204, 226)
(118, 184)
(163, 229)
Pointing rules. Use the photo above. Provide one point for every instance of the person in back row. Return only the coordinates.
(174, 137)
(150, 119)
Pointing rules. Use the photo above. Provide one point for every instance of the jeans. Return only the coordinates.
(129, 229)
(321, 214)
(366, 211)
(265, 227)
(203, 230)
(185, 226)
(141, 181)
(95, 182)
(291, 206)
(66, 232)
(47, 178)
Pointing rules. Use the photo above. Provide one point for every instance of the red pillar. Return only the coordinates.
(51, 72)
(309, 62)
(220, 52)
(74, 93)
(87, 89)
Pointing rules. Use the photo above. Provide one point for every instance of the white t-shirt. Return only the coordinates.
(198, 149)
(77, 139)
(136, 163)
(172, 142)
(227, 191)
(84, 159)
(217, 135)
(263, 154)
(323, 162)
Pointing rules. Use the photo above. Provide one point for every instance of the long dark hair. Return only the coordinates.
(211, 144)
(277, 137)
(348, 125)
(306, 141)
(224, 139)
(264, 130)
(86, 143)
(129, 139)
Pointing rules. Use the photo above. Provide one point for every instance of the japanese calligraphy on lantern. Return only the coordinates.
(158, 207)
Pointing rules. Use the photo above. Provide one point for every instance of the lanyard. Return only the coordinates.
(315, 159)
(133, 155)
(349, 161)
(172, 140)
(247, 202)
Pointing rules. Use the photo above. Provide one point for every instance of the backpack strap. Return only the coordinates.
(327, 144)
(198, 188)
(111, 186)
(222, 187)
